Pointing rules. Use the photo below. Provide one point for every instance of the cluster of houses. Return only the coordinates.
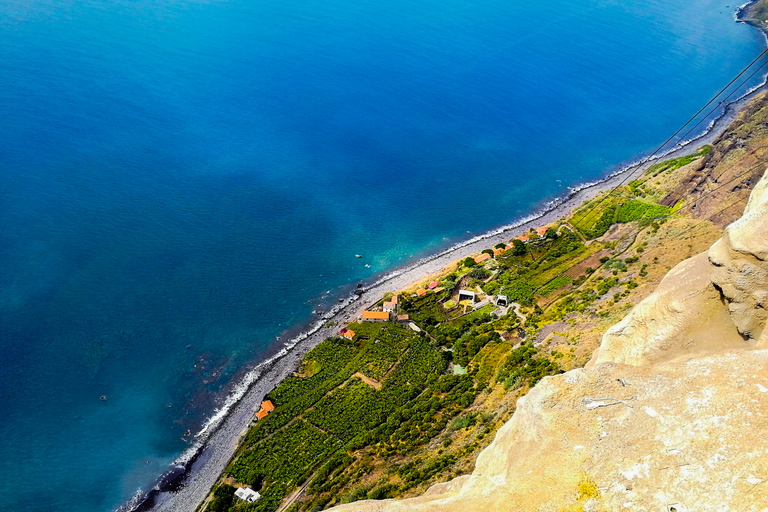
(389, 310)
(539, 231)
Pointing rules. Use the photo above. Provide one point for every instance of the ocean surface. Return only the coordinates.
(182, 181)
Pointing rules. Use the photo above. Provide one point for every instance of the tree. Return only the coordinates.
(468, 262)
(551, 233)
(487, 251)
(500, 246)
(518, 247)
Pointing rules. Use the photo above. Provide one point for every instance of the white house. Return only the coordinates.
(247, 494)
(389, 307)
(466, 295)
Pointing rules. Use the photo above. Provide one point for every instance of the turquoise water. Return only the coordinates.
(182, 181)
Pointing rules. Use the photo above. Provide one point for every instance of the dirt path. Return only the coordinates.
(373, 383)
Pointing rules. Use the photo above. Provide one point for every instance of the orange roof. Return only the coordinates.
(542, 231)
(496, 252)
(402, 317)
(261, 414)
(522, 238)
(348, 334)
(375, 315)
(482, 257)
(394, 299)
(439, 289)
(421, 291)
(267, 405)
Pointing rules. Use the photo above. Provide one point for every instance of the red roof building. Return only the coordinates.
(481, 258)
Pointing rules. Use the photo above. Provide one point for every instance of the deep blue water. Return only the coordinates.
(181, 180)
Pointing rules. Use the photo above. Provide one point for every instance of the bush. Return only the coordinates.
(479, 273)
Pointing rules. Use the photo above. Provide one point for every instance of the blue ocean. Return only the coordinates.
(181, 181)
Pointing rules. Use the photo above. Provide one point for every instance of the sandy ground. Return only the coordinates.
(221, 445)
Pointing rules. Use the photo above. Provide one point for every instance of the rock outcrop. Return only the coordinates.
(671, 414)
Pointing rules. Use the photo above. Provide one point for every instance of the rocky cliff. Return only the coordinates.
(671, 414)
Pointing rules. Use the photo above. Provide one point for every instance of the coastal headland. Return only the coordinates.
(187, 484)
(205, 466)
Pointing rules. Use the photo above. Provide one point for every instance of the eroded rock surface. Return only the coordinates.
(671, 413)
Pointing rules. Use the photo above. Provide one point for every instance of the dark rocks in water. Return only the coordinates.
(359, 292)
(359, 285)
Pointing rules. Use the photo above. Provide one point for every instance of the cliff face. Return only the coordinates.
(670, 414)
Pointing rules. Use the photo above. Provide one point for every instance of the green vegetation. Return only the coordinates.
(675, 163)
(594, 219)
(409, 420)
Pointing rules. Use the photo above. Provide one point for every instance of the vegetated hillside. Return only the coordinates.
(670, 414)
(391, 411)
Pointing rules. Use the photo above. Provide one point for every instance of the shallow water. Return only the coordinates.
(182, 181)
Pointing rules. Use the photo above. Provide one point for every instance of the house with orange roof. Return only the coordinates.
(402, 318)
(439, 289)
(375, 316)
(394, 300)
(266, 407)
(388, 307)
(348, 333)
(482, 257)
(421, 291)
(542, 231)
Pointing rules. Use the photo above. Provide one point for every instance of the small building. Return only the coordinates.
(432, 285)
(421, 291)
(541, 231)
(439, 289)
(402, 318)
(389, 307)
(394, 300)
(348, 333)
(466, 295)
(482, 257)
(501, 300)
(266, 407)
(375, 316)
(414, 327)
(247, 494)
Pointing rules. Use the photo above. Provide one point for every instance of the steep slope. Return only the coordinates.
(669, 415)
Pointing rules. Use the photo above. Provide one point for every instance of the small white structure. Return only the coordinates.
(501, 300)
(466, 295)
(414, 327)
(247, 494)
(389, 307)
